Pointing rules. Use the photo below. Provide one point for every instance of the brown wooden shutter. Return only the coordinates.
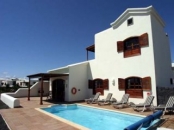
(134, 52)
(121, 84)
(146, 82)
(90, 84)
(143, 40)
(106, 84)
(120, 46)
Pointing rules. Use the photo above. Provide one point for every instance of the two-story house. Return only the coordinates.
(132, 56)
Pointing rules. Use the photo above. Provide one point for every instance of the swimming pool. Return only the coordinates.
(93, 118)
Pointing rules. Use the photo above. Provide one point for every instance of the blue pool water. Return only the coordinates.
(94, 119)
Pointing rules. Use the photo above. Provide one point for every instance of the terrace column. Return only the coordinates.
(29, 90)
(41, 91)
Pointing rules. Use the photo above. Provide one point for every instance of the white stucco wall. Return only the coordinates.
(78, 79)
(112, 65)
(162, 55)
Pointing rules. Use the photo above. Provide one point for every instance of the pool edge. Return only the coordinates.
(111, 110)
(75, 124)
(62, 119)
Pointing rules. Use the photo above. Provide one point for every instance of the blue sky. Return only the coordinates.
(39, 35)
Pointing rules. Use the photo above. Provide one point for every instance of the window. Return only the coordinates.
(14, 83)
(132, 46)
(131, 43)
(129, 21)
(26, 83)
(98, 85)
(134, 86)
(133, 83)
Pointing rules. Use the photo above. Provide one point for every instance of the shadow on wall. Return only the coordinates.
(90, 77)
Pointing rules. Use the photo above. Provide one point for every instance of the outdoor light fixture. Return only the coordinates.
(113, 82)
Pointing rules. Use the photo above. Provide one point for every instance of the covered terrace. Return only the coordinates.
(42, 77)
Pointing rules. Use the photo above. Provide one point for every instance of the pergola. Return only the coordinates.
(90, 48)
(42, 77)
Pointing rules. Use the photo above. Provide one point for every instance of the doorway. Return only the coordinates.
(58, 90)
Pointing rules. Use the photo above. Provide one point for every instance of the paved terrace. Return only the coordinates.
(27, 118)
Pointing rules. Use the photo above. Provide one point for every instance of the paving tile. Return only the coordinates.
(27, 118)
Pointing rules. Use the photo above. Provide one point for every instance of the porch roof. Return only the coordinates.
(46, 75)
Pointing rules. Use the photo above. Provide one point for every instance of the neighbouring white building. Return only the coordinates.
(1, 81)
(132, 56)
(8, 81)
(22, 82)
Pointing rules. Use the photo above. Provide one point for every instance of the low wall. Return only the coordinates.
(23, 92)
(10, 101)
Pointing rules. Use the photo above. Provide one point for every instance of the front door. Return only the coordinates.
(58, 90)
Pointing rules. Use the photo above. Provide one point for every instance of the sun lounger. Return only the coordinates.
(166, 107)
(122, 103)
(147, 104)
(105, 101)
(93, 100)
(113, 100)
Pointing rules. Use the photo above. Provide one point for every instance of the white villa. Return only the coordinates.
(132, 56)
